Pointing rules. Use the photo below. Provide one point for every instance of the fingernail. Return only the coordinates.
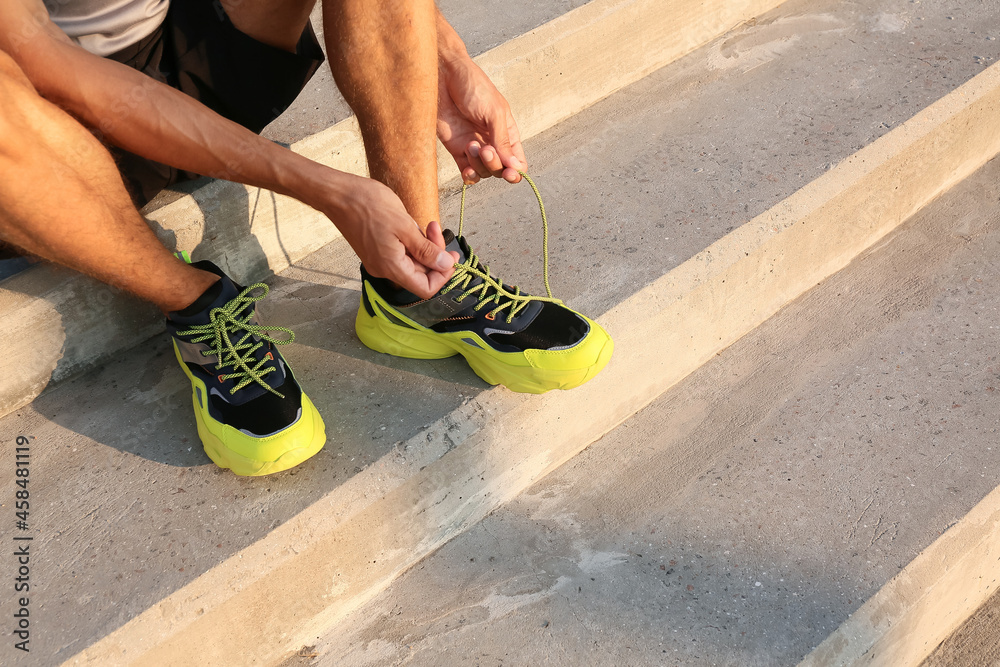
(474, 150)
(445, 261)
(487, 154)
(517, 164)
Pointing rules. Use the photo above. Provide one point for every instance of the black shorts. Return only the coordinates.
(198, 51)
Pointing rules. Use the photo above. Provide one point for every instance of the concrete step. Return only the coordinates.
(781, 490)
(61, 324)
(683, 216)
(974, 643)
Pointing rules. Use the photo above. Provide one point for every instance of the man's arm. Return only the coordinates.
(150, 119)
(475, 122)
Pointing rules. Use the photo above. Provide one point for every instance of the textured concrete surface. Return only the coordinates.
(974, 644)
(927, 602)
(131, 510)
(746, 513)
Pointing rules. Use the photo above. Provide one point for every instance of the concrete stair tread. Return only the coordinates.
(755, 506)
(186, 540)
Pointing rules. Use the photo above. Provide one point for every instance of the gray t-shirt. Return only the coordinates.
(106, 26)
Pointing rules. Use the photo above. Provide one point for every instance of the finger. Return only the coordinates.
(434, 234)
(514, 135)
(435, 281)
(413, 276)
(469, 175)
(491, 160)
(472, 151)
(519, 154)
(428, 254)
(513, 169)
(502, 140)
(518, 150)
(416, 280)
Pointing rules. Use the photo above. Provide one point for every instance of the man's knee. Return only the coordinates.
(12, 77)
(20, 99)
(279, 23)
(32, 129)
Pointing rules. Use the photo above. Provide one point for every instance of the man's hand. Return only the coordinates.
(475, 123)
(153, 120)
(388, 241)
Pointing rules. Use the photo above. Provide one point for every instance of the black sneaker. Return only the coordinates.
(252, 416)
(526, 343)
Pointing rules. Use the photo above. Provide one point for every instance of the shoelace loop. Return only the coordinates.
(492, 290)
(225, 323)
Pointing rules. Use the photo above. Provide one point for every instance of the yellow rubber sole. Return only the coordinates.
(533, 371)
(251, 456)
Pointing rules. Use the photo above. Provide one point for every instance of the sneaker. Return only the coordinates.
(252, 416)
(526, 343)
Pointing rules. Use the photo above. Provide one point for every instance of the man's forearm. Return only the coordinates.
(450, 45)
(141, 115)
(153, 120)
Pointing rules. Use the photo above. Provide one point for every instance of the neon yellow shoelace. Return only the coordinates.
(492, 290)
(224, 324)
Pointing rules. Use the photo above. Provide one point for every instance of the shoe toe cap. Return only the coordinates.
(594, 349)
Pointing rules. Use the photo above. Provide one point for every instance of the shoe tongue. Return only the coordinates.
(217, 295)
(456, 244)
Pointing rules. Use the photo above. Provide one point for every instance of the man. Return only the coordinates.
(183, 86)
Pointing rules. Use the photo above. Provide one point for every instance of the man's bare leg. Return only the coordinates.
(62, 199)
(384, 59)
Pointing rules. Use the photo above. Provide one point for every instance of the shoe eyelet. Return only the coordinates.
(490, 317)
